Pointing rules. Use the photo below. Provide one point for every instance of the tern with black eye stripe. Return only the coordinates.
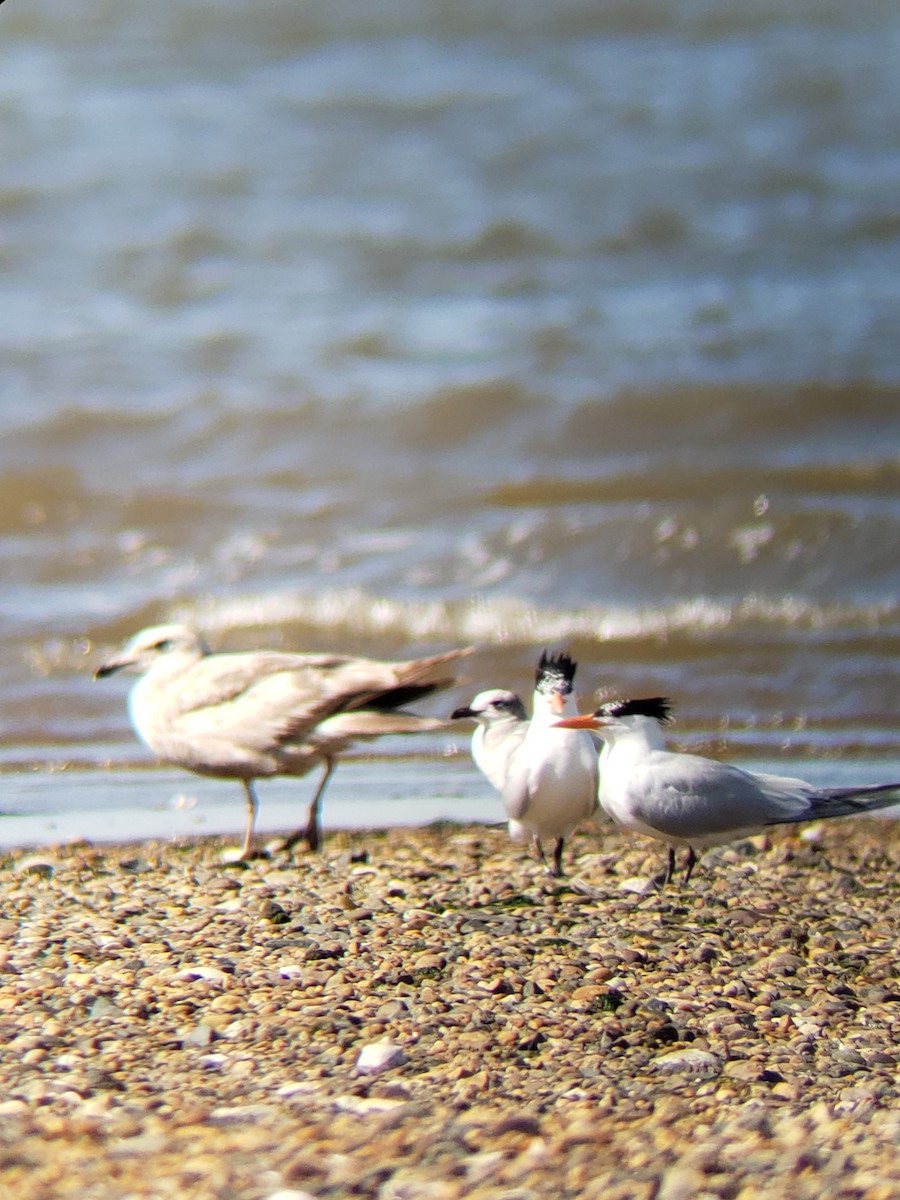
(686, 800)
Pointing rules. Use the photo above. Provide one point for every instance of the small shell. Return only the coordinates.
(379, 1056)
(290, 971)
(290, 1194)
(693, 1062)
(209, 974)
(640, 885)
(363, 1105)
(212, 1062)
(35, 864)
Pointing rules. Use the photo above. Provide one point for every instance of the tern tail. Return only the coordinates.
(845, 802)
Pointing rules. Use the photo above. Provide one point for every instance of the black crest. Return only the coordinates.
(653, 706)
(555, 672)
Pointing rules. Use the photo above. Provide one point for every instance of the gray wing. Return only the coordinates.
(225, 678)
(267, 700)
(689, 797)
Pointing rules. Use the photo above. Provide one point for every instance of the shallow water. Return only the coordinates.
(394, 331)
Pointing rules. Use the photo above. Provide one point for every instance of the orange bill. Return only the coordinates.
(586, 722)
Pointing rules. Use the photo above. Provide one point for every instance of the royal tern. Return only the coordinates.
(688, 800)
(547, 779)
(252, 715)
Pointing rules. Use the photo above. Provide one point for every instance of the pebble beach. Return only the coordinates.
(422, 1013)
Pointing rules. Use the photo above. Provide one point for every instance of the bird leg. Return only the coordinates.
(664, 878)
(311, 833)
(670, 867)
(252, 809)
(540, 855)
(689, 866)
(554, 868)
(557, 858)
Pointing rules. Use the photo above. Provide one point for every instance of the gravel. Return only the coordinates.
(424, 1015)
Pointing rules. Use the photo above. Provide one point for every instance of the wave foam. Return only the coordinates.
(506, 620)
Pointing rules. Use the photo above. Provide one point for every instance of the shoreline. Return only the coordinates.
(174, 1026)
(114, 805)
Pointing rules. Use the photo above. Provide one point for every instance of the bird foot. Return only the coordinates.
(286, 844)
(282, 845)
(232, 856)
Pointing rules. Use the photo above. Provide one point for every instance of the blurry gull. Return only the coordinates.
(253, 715)
(692, 801)
(548, 783)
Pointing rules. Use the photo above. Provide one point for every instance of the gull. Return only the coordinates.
(252, 715)
(502, 723)
(547, 779)
(688, 800)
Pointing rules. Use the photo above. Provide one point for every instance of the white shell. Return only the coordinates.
(379, 1056)
(694, 1062)
(210, 974)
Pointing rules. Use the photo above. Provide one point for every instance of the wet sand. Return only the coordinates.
(172, 1026)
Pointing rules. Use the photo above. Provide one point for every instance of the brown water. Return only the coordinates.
(573, 328)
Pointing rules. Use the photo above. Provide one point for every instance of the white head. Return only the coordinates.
(491, 707)
(150, 645)
(619, 717)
